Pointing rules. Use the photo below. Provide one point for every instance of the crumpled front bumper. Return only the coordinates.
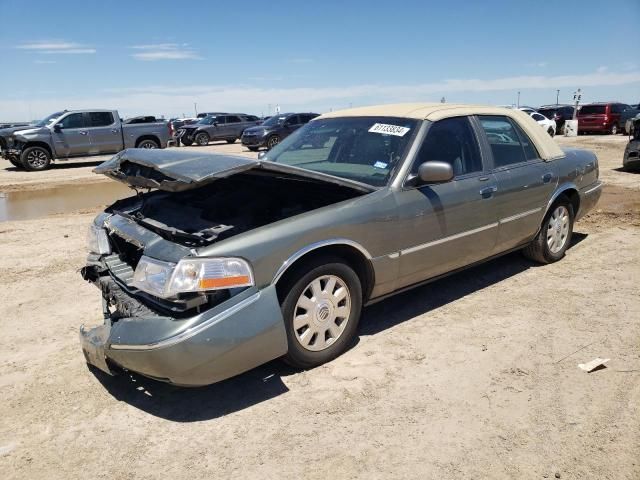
(11, 153)
(236, 335)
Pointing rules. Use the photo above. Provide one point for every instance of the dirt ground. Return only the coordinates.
(474, 376)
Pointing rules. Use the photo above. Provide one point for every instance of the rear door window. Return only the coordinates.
(100, 119)
(509, 144)
(233, 119)
(593, 110)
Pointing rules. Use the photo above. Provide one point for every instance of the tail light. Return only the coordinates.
(170, 129)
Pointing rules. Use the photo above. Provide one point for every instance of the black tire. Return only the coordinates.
(231, 140)
(551, 132)
(202, 139)
(16, 163)
(186, 142)
(35, 159)
(614, 129)
(272, 141)
(299, 282)
(539, 249)
(148, 144)
(253, 149)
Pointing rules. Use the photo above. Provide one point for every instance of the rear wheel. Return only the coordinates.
(35, 158)
(321, 311)
(148, 143)
(202, 139)
(614, 129)
(554, 237)
(231, 140)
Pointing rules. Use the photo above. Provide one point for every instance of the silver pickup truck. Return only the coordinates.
(81, 133)
(228, 262)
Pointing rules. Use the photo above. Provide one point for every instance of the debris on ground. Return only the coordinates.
(594, 364)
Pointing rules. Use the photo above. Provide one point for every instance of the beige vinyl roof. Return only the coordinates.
(547, 147)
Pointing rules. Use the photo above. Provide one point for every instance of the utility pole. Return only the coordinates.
(195, 108)
(557, 96)
(518, 104)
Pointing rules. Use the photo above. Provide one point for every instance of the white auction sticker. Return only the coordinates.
(389, 129)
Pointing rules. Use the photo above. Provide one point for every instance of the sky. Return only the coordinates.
(161, 58)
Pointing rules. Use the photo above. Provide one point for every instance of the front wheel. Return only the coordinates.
(321, 312)
(202, 139)
(186, 142)
(35, 159)
(273, 141)
(554, 236)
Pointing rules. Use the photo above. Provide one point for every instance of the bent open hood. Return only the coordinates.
(175, 170)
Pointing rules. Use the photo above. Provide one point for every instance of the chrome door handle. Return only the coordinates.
(488, 192)
(114, 130)
(83, 133)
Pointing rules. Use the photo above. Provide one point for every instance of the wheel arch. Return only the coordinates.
(354, 255)
(568, 190)
(148, 137)
(44, 145)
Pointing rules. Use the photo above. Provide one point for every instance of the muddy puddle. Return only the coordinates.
(69, 198)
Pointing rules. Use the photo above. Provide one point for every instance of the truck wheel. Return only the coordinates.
(253, 149)
(148, 144)
(321, 311)
(186, 142)
(202, 139)
(614, 129)
(273, 141)
(231, 140)
(554, 237)
(35, 158)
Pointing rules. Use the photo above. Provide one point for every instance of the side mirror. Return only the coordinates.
(57, 128)
(435, 172)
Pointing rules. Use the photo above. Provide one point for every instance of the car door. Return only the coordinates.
(525, 181)
(104, 131)
(70, 136)
(448, 225)
(291, 124)
(217, 130)
(233, 126)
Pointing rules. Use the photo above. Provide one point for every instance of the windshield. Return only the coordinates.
(274, 121)
(206, 121)
(364, 149)
(47, 120)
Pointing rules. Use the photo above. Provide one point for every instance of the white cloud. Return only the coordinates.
(165, 99)
(56, 47)
(164, 51)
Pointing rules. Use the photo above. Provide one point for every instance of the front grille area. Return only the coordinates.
(125, 251)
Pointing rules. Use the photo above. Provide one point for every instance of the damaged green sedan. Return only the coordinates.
(221, 263)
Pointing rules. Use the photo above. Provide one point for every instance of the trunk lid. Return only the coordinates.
(175, 171)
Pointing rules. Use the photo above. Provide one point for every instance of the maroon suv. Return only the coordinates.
(601, 117)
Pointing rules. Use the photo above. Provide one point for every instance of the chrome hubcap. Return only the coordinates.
(558, 229)
(322, 313)
(147, 145)
(37, 158)
(202, 140)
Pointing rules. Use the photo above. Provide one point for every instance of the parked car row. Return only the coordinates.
(599, 117)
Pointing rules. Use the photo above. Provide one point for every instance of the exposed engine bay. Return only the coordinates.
(229, 206)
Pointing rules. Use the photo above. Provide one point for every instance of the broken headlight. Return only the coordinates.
(98, 241)
(165, 280)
